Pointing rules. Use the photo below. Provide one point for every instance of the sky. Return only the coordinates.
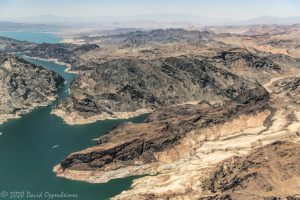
(237, 9)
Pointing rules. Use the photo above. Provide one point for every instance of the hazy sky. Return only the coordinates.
(240, 9)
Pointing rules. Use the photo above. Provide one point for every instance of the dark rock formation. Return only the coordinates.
(126, 85)
(12, 45)
(25, 86)
(237, 57)
(294, 85)
(68, 53)
(138, 38)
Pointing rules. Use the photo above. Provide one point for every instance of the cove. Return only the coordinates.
(32, 145)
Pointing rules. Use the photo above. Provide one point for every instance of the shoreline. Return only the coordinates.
(4, 118)
(56, 61)
(96, 177)
(70, 40)
(7, 117)
(75, 119)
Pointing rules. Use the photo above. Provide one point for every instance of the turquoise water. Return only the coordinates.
(37, 37)
(63, 93)
(28, 155)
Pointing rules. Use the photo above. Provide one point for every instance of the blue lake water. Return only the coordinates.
(27, 154)
(37, 37)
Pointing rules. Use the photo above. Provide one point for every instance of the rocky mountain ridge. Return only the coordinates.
(25, 86)
(130, 85)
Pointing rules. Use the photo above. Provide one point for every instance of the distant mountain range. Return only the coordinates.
(272, 20)
(160, 18)
(177, 17)
(138, 21)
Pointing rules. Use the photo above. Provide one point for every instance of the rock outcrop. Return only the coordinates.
(235, 57)
(249, 65)
(288, 86)
(25, 86)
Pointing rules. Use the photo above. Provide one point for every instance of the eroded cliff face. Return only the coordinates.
(25, 86)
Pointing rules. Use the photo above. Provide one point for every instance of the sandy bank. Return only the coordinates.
(5, 117)
(75, 118)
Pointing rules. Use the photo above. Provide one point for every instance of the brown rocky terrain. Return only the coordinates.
(219, 146)
(269, 172)
(274, 39)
